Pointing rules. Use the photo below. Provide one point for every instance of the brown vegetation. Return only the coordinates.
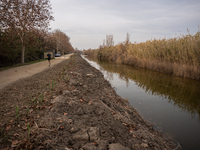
(179, 56)
(58, 41)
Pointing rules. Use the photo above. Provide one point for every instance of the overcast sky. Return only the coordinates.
(87, 22)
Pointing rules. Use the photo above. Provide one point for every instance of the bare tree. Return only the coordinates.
(104, 43)
(109, 40)
(50, 41)
(25, 15)
(127, 38)
(62, 41)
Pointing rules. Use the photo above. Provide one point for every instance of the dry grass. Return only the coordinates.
(179, 56)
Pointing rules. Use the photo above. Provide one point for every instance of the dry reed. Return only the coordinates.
(179, 56)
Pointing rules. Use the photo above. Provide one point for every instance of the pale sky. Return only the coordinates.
(87, 22)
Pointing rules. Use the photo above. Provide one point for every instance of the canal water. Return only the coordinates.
(171, 103)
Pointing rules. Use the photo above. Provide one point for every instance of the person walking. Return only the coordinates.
(49, 58)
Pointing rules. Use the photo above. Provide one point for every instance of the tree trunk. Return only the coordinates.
(23, 50)
(22, 37)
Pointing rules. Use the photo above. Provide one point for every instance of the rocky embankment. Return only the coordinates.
(91, 116)
(87, 114)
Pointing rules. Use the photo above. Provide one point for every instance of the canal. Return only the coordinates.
(171, 103)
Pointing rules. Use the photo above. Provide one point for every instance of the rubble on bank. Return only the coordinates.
(91, 116)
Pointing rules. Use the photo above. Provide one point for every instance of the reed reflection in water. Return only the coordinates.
(172, 103)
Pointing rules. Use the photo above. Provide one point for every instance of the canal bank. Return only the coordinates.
(171, 103)
(79, 110)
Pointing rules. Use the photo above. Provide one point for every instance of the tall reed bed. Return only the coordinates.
(178, 56)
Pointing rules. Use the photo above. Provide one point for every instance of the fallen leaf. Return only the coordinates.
(131, 130)
(81, 100)
(62, 127)
(124, 124)
(144, 145)
(95, 143)
(47, 141)
(30, 111)
(134, 136)
(113, 112)
(51, 106)
(65, 114)
(61, 120)
(16, 134)
(11, 121)
(90, 102)
(8, 127)
(18, 125)
(14, 144)
(10, 112)
(24, 127)
(43, 107)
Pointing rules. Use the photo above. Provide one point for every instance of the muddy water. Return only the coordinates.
(171, 103)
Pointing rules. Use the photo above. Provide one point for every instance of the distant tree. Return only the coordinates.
(109, 40)
(23, 16)
(127, 38)
(50, 41)
(104, 43)
(62, 42)
(70, 47)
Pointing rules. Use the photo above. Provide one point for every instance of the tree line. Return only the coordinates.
(24, 32)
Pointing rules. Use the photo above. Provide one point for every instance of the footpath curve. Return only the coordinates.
(11, 75)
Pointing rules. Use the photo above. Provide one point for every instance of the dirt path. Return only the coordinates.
(11, 75)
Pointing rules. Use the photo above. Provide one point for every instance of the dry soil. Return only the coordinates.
(71, 106)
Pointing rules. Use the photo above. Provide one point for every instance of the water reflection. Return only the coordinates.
(171, 103)
(184, 93)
